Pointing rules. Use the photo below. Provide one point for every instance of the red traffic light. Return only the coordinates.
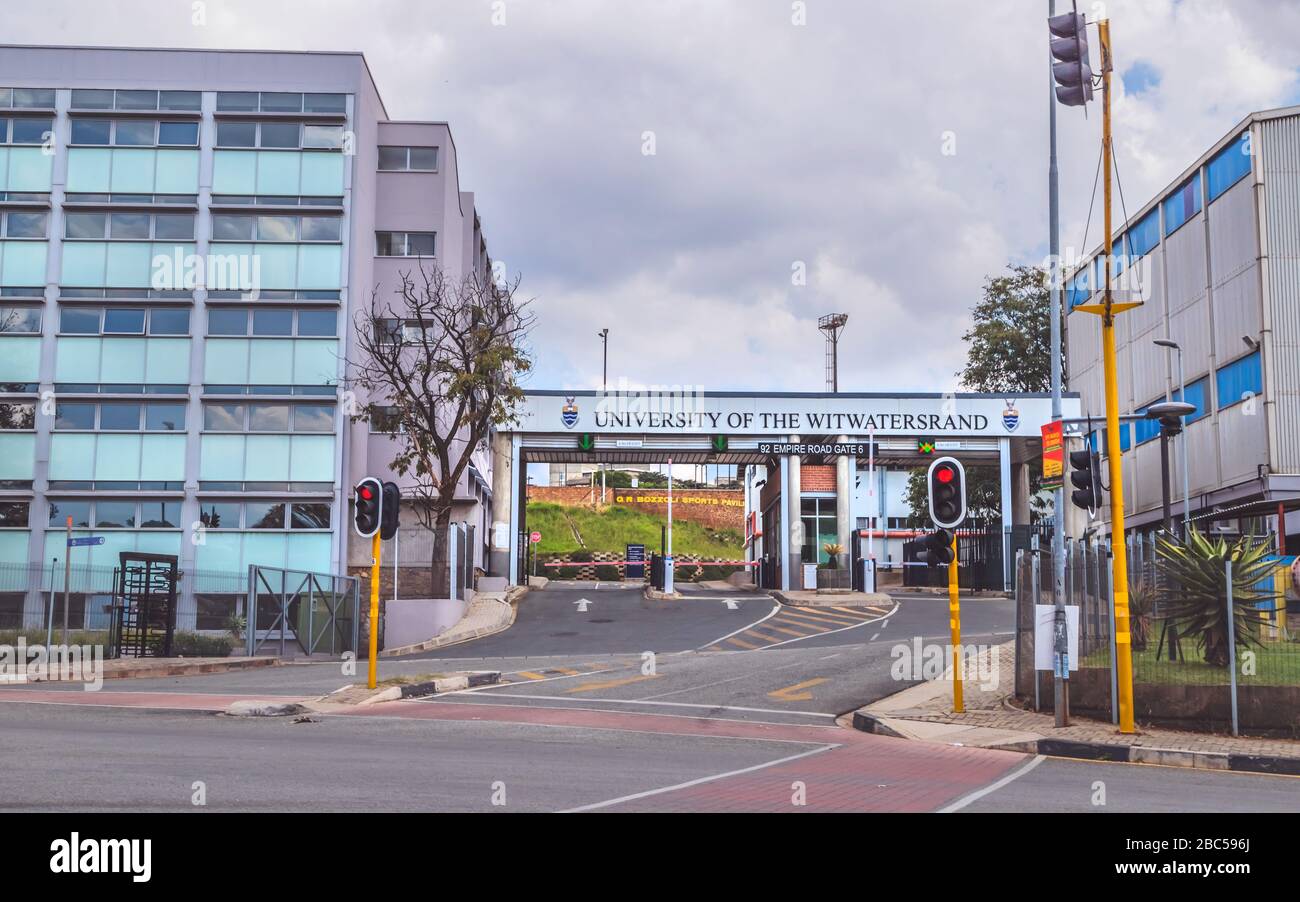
(944, 474)
(365, 492)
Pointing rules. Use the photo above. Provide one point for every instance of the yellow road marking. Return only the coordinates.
(612, 684)
(821, 620)
(530, 675)
(779, 629)
(740, 643)
(793, 693)
(566, 671)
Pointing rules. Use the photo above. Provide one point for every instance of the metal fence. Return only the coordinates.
(318, 612)
(1192, 661)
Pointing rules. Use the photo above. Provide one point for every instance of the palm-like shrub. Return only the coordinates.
(1195, 592)
(1141, 598)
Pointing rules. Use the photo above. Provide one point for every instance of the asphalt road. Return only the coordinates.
(630, 705)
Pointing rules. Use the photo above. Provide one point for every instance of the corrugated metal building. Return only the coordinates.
(1216, 259)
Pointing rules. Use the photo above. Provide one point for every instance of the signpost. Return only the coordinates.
(637, 570)
(1053, 454)
(533, 539)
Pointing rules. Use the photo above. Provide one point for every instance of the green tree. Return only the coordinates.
(1008, 347)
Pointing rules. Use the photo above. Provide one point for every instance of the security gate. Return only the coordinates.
(318, 611)
(144, 606)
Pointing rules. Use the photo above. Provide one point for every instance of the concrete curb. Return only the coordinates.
(867, 722)
(655, 595)
(504, 621)
(187, 669)
(450, 684)
(863, 599)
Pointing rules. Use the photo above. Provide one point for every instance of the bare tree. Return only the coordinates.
(441, 366)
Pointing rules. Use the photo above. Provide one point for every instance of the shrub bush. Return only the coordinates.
(196, 645)
(608, 573)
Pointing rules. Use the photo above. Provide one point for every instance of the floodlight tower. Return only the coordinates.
(832, 324)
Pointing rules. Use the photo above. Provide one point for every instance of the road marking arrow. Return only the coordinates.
(582, 605)
(792, 693)
(611, 684)
(730, 603)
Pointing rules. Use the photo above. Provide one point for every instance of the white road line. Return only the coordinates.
(633, 701)
(743, 676)
(689, 783)
(993, 787)
(776, 606)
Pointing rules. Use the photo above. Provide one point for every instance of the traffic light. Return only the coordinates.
(389, 510)
(936, 549)
(586, 441)
(368, 497)
(946, 481)
(925, 446)
(718, 444)
(1085, 475)
(1070, 68)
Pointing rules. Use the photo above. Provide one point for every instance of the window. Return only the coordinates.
(1144, 236)
(1078, 288)
(15, 320)
(310, 322)
(1198, 394)
(79, 320)
(384, 420)
(236, 227)
(115, 513)
(92, 131)
(279, 135)
(264, 515)
(17, 415)
(326, 136)
(108, 99)
(169, 321)
(119, 417)
(124, 321)
(404, 244)
(224, 417)
(273, 322)
(219, 514)
(307, 515)
(30, 131)
(27, 98)
(393, 158)
(223, 321)
(134, 133)
(236, 134)
(128, 226)
(268, 418)
(154, 514)
(313, 418)
(164, 417)
(1239, 380)
(179, 134)
(24, 225)
(14, 513)
(1228, 166)
(68, 415)
(77, 509)
(279, 102)
(1183, 204)
(819, 528)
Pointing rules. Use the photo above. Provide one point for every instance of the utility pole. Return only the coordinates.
(1107, 310)
(604, 366)
(1062, 687)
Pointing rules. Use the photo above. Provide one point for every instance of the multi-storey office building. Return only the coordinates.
(199, 413)
(1217, 257)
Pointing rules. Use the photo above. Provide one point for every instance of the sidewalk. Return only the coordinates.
(141, 668)
(924, 713)
(488, 613)
(810, 598)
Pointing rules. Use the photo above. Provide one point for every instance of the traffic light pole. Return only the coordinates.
(374, 609)
(1062, 686)
(954, 624)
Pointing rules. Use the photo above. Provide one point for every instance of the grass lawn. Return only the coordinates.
(614, 527)
(1276, 664)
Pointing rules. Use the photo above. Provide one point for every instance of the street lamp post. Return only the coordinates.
(1170, 345)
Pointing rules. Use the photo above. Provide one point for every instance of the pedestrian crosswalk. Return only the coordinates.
(791, 624)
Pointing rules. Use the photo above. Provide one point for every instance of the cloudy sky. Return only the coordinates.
(778, 146)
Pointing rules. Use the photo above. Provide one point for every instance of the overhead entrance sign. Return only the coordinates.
(831, 449)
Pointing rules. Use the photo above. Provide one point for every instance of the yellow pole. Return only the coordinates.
(954, 624)
(374, 609)
(1123, 649)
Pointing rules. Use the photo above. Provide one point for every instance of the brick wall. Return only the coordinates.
(817, 478)
(714, 508)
